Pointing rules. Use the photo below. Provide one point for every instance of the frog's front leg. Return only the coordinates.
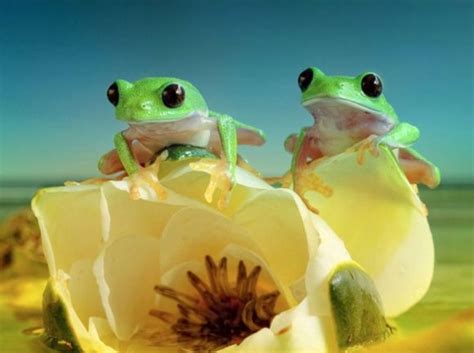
(402, 135)
(138, 175)
(110, 162)
(418, 169)
(223, 171)
(304, 177)
(125, 154)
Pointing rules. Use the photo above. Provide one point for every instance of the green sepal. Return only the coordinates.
(183, 152)
(59, 333)
(356, 307)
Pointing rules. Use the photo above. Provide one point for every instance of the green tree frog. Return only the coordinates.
(163, 112)
(352, 110)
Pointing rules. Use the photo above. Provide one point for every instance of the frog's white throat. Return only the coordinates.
(163, 121)
(340, 123)
(195, 129)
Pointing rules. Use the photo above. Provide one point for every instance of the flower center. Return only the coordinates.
(220, 313)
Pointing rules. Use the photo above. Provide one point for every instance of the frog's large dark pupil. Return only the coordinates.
(113, 94)
(305, 78)
(372, 85)
(173, 95)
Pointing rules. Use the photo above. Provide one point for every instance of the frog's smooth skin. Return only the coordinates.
(348, 110)
(165, 111)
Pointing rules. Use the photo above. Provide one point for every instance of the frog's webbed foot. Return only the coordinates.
(417, 169)
(148, 176)
(307, 180)
(370, 144)
(220, 179)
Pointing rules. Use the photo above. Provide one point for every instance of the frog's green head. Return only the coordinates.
(155, 99)
(362, 93)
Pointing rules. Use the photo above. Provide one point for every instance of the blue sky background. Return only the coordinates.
(57, 59)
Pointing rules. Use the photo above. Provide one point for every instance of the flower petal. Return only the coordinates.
(277, 225)
(146, 216)
(84, 291)
(183, 176)
(330, 253)
(294, 330)
(192, 233)
(242, 176)
(99, 329)
(71, 222)
(381, 220)
(61, 321)
(126, 271)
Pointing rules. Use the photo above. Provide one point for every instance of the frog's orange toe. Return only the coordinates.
(311, 182)
(135, 192)
(369, 144)
(220, 179)
(148, 176)
(306, 180)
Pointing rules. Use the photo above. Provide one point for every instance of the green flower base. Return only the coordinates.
(357, 307)
(182, 152)
(58, 334)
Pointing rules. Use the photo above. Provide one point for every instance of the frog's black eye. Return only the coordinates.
(173, 95)
(305, 78)
(371, 85)
(113, 94)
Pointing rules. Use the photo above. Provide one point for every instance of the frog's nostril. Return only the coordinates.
(145, 105)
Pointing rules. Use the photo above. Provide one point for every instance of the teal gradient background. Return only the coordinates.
(57, 59)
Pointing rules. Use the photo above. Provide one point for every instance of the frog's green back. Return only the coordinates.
(156, 99)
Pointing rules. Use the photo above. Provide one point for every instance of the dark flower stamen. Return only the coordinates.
(221, 314)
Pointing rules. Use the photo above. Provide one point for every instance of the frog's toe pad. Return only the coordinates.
(146, 176)
(308, 180)
(357, 307)
(220, 179)
(370, 144)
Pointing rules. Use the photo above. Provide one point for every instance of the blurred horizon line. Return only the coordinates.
(20, 182)
(20, 192)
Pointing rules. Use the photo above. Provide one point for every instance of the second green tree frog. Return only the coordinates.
(162, 112)
(351, 110)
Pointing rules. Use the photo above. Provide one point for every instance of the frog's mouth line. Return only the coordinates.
(160, 120)
(343, 115)
(322, 100)
(341, 105)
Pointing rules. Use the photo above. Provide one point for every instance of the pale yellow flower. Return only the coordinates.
(106, 253)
